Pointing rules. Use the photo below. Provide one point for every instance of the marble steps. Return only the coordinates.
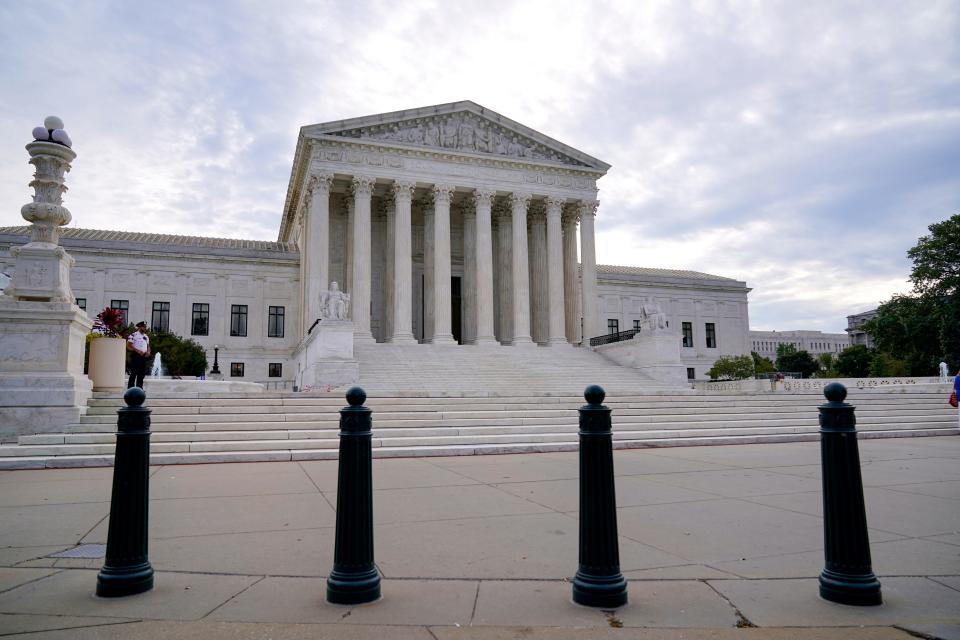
(281, 454)
(469, 439)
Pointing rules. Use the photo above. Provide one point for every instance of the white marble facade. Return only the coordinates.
(448, 224)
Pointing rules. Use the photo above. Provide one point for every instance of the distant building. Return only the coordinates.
(815, 343)
(858, 335)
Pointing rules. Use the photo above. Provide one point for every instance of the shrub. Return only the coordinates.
(180, 356)
(732, 368)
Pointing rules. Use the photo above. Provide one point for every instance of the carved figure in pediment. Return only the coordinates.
(514, 149)
(448, 134)
(415, 134)
(334, 303)
(500, 145)
(465, 136)
(432, 134)
(483, 138)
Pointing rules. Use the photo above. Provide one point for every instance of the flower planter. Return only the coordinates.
(107, 367)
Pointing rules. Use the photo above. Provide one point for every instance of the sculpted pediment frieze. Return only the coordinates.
(463, 131)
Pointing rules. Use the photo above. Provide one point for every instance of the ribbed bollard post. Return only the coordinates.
(598, 582)
(127, 570)
(847, 575)
(354, 579)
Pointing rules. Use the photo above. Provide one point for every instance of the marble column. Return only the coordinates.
(468, 292)
(429, 274)
(389, 270)
(317, 247)
(360, 296)
(483, 259)
(539, 293)
(504, 277)
(521, 284)
(570, 273)
(556, 315)
(402, 264)
(588, 270)
(442, 330)
(348, 260)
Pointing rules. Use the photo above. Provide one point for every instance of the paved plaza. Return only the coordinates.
(717, 542)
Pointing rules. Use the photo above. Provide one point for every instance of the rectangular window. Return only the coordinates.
(238, 320)
(200, 323)
(711, 335)
(123, 306)
(636, 325)
(275, 322)
(613, 325)
(82, 303)
(236, 369)
(691, 373)
(275, 370)
(688, 334)
(160, 317)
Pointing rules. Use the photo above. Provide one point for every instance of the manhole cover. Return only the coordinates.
(82, 551)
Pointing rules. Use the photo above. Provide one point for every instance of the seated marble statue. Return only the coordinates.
(334, 304)
(654, 319)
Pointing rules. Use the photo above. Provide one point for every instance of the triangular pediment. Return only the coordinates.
(463, 127)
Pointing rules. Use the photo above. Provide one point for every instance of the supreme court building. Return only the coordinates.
(449, 224)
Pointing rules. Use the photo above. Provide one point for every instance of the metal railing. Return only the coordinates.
(613, 337)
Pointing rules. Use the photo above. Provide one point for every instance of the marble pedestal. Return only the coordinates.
(655, 354)
(325, 357)
(42, 384)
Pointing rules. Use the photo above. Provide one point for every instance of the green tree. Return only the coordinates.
(883, 365)
(922, 328)
(761, 364)
(789, 359)
(180, 356)
(854, 362)
(731, 368)
(828, 366)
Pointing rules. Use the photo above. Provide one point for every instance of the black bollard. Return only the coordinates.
(354, 579)
(847, 575)
(598, 582)
(126, 570)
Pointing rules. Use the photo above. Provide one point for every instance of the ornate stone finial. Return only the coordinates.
(51, 154)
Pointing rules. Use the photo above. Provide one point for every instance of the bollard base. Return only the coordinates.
(116, 582)
(607, 592)
(855, 590)
(353, 587)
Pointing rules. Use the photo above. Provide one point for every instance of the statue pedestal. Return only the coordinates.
(42, 384)
(655, 354)
(325, 357)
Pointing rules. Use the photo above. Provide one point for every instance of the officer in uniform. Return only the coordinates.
(139, 346)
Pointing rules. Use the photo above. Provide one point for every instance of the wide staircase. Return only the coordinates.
(432, 401)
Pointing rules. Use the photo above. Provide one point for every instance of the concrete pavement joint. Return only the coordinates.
(239, 593)
(70, 628)
(742, 620)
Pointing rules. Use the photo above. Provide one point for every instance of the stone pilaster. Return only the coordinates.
(442, 333)
(360, 296)
(556, 315)
(316, 250)
(483, 200)
(521, 284)
(537, 242)
(403, 264)
(468, 292)
(504, 276)
(588, 270)
(570, 273)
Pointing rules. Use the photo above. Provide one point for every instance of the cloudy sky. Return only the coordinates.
(800, 146)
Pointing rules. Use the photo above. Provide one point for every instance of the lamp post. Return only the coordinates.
(216, 365)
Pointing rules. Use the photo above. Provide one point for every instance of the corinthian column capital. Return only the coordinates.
(403, 189)
(588, 207)
(319, 183)
(555, 206)
(442, 193)
(483, 197)
(363, 186)
(520, 200)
